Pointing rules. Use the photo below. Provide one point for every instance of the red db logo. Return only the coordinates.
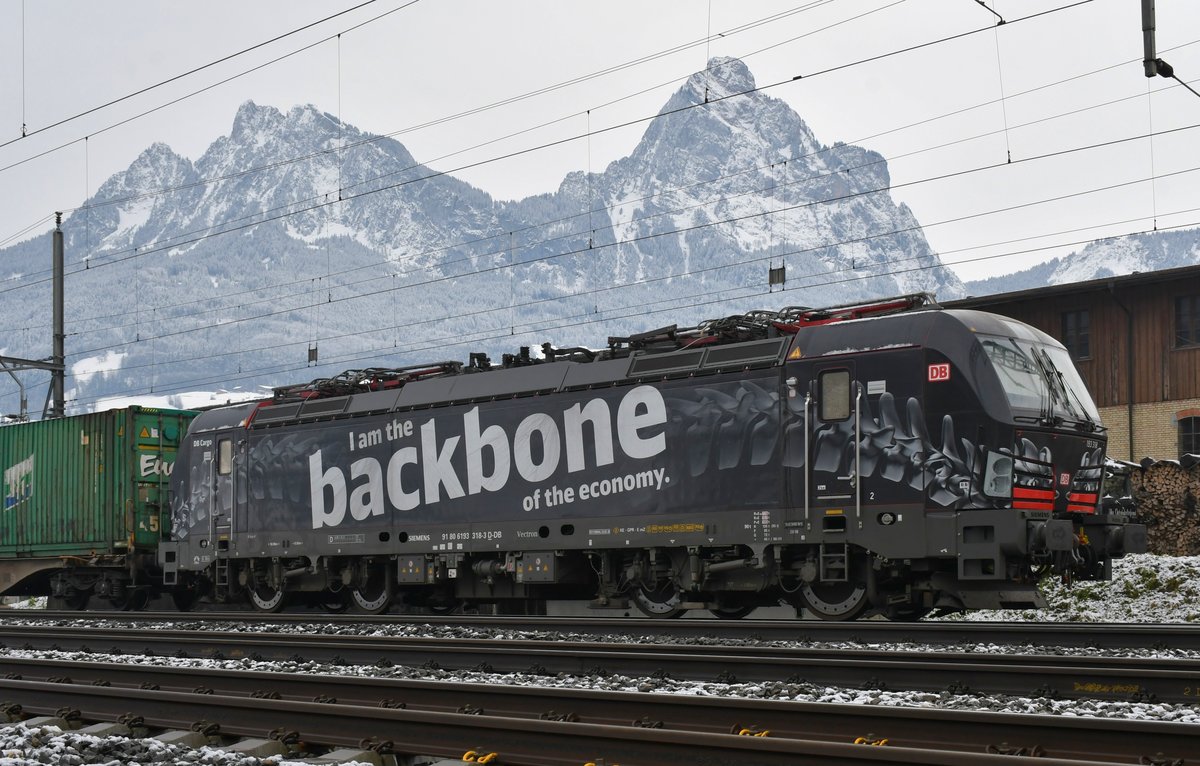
(939, 372)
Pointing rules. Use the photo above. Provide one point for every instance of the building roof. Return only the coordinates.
(1092, 285)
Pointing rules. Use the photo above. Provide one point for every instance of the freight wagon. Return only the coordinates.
(85, 505)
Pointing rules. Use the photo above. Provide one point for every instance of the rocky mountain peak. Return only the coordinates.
(713, 192)
(252, 118)
(723, 76)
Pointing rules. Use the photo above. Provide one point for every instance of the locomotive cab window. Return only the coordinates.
(225, 457)
(834, 388)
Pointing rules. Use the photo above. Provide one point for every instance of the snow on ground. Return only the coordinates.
(107, 364)
(1144, 588)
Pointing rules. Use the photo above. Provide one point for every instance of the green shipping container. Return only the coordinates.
(85, 488)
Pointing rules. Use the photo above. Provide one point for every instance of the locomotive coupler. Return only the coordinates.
(1055, 535)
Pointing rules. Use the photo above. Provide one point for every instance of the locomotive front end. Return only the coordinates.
(1054, 469)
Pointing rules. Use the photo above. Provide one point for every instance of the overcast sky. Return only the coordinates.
(437, 58)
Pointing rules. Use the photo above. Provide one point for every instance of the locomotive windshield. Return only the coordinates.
(1040, 377)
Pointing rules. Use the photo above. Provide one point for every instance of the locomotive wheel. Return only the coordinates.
(185, 596)
(906, 612)
(732, 612)
(835, 600)
(334, 603)
(376, 596)
(662, 602)
(265, 598)
(444, 608)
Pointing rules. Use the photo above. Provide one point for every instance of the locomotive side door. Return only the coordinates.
(222, 495)
(820, 444)
(833, 464)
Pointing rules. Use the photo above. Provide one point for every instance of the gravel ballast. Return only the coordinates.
(1145, 589)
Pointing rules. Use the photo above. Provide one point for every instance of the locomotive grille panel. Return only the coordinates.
(277, 413)
(375, 401)
(745, 353)
(508, 382)
(665, 363)
(424, 392)
(318, 407)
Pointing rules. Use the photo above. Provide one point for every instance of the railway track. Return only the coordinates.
(1112, 678)
(553, 727)
(1183, 637)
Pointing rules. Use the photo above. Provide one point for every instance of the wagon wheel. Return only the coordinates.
(664, 601)
(265, 598)
(835, 600)
(72, 600)
(134, 600)
(375, 595)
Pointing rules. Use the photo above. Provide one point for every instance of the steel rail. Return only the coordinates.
(1175, 681)
(536, 741)
(1178, 636)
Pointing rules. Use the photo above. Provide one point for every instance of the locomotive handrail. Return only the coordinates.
(807, 459)
(858, 453)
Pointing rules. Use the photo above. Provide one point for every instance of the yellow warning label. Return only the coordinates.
(145, 434)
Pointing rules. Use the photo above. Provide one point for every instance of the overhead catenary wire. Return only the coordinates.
(636, 200)
(640, 219)
(648, 118)
(439, 121)
(502, 267)
(311, 155)
(22, 232)
(578, 320)
(169, 80)
(694, 272)
(373, 139)
(315, 154)
(197, 92)
(816, 202)
(625, 124)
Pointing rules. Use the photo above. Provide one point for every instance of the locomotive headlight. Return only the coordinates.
(998, 476)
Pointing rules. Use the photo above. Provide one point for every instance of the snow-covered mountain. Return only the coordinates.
(357, 249)
(1116, 256)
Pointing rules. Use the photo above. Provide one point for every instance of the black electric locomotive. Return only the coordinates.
(889, 458)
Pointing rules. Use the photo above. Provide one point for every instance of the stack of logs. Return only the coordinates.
(1166, 494)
